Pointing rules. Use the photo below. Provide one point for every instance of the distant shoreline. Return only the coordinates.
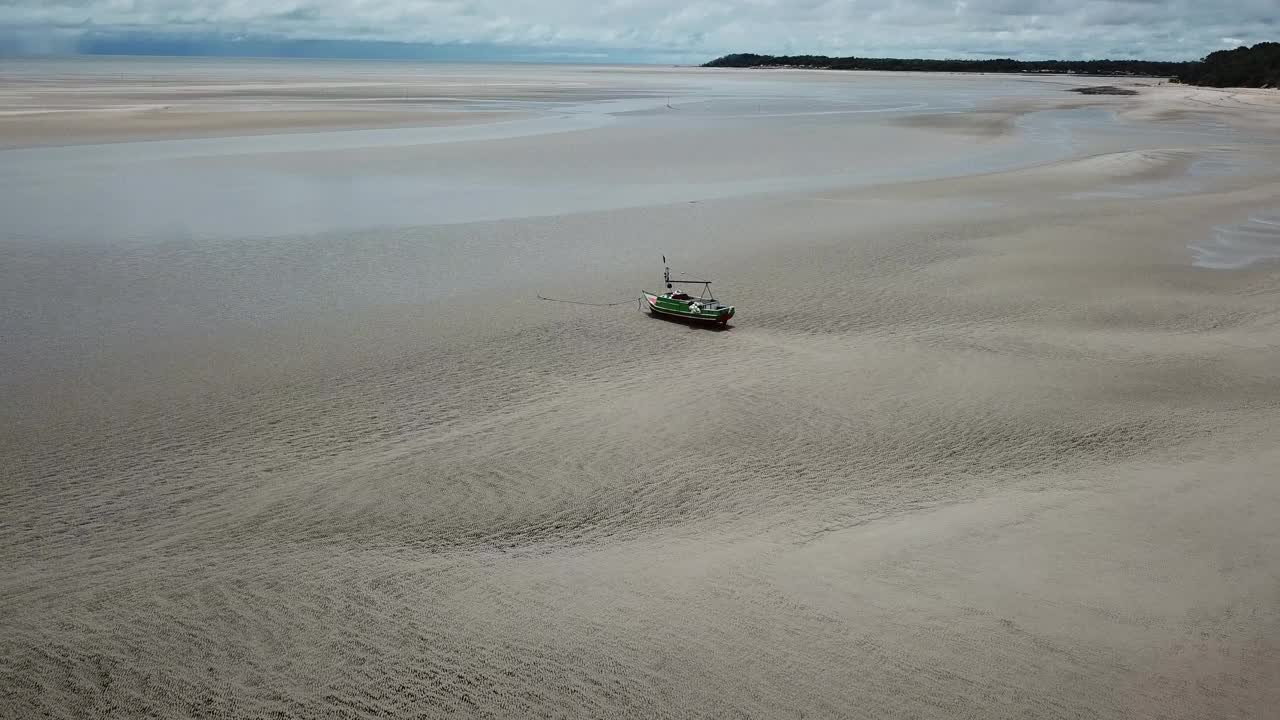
(1100, 68)
(1257, 67)
(1046, 73)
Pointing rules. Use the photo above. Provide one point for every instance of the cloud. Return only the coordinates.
(1157, 29)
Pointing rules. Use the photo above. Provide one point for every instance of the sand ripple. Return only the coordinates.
(972, 448)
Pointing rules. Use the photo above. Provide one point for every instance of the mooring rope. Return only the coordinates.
(579, 302)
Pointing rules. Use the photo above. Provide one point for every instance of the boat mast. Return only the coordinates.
(705, 294)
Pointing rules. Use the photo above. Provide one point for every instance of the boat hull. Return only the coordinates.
(670, 309)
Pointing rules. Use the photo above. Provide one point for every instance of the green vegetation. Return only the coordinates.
(1103, 90)
(1258, 66)
(1146, 68)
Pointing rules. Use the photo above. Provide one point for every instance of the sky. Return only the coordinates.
(659, 31)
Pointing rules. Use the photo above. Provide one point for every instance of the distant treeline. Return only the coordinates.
(1258, 66)
(1147, 68)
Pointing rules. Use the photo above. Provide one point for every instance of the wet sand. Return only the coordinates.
(288, 433)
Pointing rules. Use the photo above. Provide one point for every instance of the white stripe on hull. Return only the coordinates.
(690, 316)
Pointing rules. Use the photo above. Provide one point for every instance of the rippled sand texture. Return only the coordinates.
(984, 441)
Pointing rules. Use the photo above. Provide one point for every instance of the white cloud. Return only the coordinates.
(1026, 28)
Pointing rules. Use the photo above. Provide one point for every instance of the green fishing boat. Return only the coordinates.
(674, 303)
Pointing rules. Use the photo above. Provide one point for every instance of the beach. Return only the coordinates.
(287, 431)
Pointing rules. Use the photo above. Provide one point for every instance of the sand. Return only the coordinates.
(34, 129)
(988, 438)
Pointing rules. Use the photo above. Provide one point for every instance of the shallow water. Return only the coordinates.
(1240, 245)
(288, 434)
(707, 144)
(117, 242)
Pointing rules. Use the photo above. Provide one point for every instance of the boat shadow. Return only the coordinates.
(691, 324)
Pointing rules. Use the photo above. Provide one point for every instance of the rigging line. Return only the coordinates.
(579, 302)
